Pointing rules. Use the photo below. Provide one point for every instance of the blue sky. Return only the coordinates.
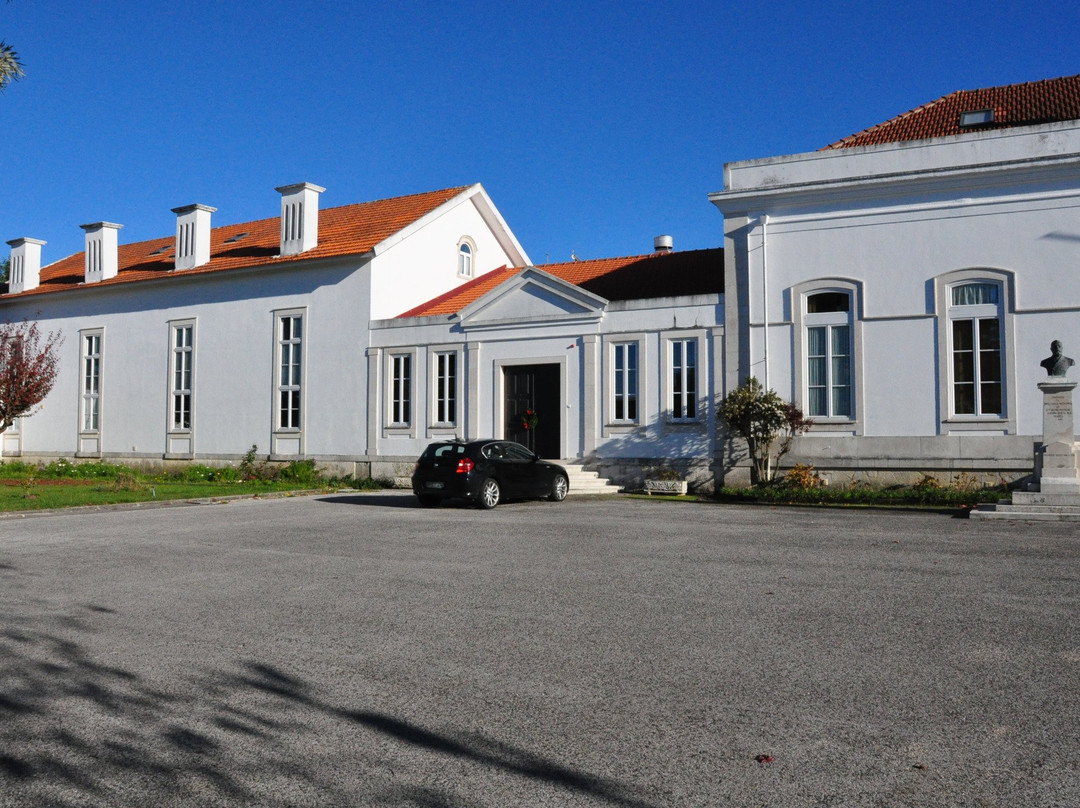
(593, 125)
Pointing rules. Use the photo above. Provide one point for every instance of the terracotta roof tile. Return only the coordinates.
(347, 230)
(1035, 102)
(635, 277)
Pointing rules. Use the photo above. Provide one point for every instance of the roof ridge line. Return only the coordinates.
(653, 254)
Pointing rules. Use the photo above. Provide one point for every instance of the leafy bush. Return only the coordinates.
(17, 468)
(962, 492)
(802, 476)
(197, 473)
(300, 471)
(663, 473)
(65, 469)
(761, 418)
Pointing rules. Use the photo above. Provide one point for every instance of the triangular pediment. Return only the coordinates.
(533, 297)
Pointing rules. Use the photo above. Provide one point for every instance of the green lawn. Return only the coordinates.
(63, 484)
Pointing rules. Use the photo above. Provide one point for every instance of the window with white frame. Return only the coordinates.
(289, 378)
(625, 382)
(828, 349)
(445, 387)
(91, 381)
(181, 375)
(466, 250)
(683, 355)
(975, 348)
(400, 389)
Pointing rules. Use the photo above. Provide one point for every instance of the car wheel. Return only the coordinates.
(489, 494)
(427, 500)
(559, 486)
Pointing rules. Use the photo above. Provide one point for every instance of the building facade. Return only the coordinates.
(903, 284)
(199, 346)
(615, 363)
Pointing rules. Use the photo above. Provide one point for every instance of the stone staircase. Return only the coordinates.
(584, 482)
(1032, 506)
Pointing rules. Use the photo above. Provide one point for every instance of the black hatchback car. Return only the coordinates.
(486, 472)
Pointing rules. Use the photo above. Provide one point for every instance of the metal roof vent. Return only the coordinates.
(663, 244)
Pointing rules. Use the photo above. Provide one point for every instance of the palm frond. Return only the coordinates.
(11, 68)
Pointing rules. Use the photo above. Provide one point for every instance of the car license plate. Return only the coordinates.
(433, 485)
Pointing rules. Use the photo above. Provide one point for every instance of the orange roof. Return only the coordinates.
(636, 277)
(1035, 102)
(346, 230)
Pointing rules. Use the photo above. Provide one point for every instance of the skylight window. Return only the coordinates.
(237, 237)
(162, 250)
(976, 117)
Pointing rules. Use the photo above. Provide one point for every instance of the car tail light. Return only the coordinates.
(465, 465)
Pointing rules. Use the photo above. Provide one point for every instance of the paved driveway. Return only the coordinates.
(355, 650)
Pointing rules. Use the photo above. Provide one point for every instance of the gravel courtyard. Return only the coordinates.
(355, 650)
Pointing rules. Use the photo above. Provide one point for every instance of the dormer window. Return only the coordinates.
(466, 250)
(976, 117)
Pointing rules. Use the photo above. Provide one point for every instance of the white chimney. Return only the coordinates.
(663, 244)
(192, 235)
(101, 261)
(299, 217)
(24, 272)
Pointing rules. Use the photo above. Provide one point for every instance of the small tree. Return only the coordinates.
(28, 363)
(761, 417)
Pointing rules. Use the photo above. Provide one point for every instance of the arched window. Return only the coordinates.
(466, 250)
(975, 358)
(974, 348)
(828, 340)
(828, 355)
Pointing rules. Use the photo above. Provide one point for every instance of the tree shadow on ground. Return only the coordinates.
(75, 730)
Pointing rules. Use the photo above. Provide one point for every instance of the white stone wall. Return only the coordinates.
(234, 361)
(893, 220)
(421, 262)
(581, 351)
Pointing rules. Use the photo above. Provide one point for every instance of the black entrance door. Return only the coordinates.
(536, 388)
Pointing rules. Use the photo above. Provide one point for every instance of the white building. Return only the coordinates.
(618, 359)
(903, 284)
(200, 345)
(289, 334)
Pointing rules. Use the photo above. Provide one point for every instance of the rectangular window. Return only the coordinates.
(401, 390)
(181, 394)
(976, 365)
(445, 388)
(91, 382)
(289, 343)
(626, 382)
(684, 379)
(828, 370)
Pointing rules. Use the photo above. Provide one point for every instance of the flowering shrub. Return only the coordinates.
(802, 476)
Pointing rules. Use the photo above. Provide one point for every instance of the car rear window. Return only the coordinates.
(444, 450)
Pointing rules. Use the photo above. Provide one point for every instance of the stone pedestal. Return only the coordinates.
(1058, 469)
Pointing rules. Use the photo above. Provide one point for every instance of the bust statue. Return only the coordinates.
(1057, 364)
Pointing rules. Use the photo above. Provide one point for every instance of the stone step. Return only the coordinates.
(1042, 516)
(1039, 498)
(1032, 506)
(584, 482)
(1012, 507)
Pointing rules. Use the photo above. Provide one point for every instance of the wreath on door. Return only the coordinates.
(529, 419)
